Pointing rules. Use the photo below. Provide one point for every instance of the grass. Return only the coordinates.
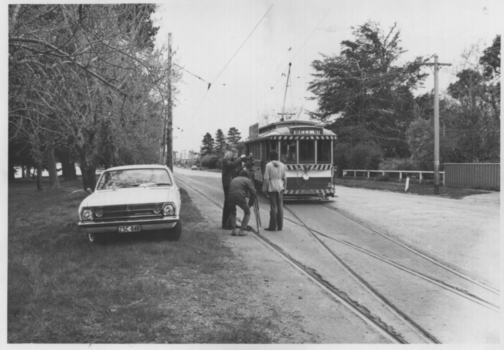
(416, 188)
(132, 289)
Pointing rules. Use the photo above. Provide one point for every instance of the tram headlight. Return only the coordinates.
(305, 177)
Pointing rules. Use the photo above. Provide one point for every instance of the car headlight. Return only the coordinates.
(87, 214)
(157, 210)
(168, 209)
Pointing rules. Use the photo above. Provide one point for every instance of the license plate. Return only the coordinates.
(132, 228)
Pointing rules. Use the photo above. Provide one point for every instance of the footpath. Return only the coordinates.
(463, 233)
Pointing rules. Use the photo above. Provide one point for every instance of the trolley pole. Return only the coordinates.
(169, 131)
(285, 96)
(436, 65)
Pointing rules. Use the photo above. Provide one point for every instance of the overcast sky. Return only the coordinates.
(207, 34)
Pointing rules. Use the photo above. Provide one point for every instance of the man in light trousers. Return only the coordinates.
(275, 183)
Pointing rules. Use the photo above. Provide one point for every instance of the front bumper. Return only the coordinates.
(324, 192)
(145, 225)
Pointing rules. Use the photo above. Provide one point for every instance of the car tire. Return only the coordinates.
(175, 233)
(95, 238)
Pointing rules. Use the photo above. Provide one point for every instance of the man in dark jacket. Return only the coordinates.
(230, 166)
(241, 187)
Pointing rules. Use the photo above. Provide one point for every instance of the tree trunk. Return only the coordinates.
(67, 165)
(53, 171)
(39, 176)
(88, 176)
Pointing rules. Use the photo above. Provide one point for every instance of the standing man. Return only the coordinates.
(275, 183)
(241, 187)
(230, 166)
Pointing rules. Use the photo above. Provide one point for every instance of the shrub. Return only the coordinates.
(382, 177)
(364, 156)
(399, 164)
(209, 161)
(339, 158)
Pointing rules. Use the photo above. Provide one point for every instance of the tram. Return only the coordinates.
(304, 147)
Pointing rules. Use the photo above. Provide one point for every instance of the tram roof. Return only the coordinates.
(286, 130)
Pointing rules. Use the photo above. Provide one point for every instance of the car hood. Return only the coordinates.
(130, 196)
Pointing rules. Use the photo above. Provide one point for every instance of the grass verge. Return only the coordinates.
(133, 289)
(416, 188)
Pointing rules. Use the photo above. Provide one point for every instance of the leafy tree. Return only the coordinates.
(491, 63)
(366, 89)
(474, 121)
(207, 145)
(233, 137)
(85, 77)
(220, 142)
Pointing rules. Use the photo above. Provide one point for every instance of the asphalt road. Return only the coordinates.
(408, 290)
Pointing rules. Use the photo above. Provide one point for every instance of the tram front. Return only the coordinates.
(306, 149)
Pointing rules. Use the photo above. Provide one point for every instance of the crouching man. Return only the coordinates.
(241, 187)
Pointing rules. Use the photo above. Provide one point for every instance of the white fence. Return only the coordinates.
(394, 174)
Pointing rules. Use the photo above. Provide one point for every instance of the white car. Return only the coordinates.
(132, 198)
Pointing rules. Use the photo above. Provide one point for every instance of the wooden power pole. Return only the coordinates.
(436, 65)
(169, 129)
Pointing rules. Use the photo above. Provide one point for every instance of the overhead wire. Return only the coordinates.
(253, 30)
(210, 84)
(309, 37)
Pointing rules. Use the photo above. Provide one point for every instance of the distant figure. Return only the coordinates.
(241, 187)
(230, 167)
(275, 183)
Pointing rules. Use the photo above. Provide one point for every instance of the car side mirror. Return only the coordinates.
(88, 190)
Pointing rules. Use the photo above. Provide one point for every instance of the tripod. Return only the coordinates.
(257, 214)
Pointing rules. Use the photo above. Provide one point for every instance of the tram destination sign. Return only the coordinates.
(306, 131)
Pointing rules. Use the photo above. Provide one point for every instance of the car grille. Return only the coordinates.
(127, 212)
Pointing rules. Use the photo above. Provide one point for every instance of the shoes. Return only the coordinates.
(242, 233)
(234, 234)
(269, 229)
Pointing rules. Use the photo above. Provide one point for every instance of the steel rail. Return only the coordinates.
(463, 293)
(373, 321)
(434, 261)
(395, 310)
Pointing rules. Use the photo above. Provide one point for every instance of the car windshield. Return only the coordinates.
(134, 178)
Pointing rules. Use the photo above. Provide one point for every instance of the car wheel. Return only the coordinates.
(175, 233)
(95, 238)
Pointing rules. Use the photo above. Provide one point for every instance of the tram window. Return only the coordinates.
(288, 152)
(273, 145)
(323, 151)
(306, 151)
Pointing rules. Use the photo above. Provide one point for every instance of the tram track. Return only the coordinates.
(360, 310)
(456, 290)
(390, 330)
(415, 251)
